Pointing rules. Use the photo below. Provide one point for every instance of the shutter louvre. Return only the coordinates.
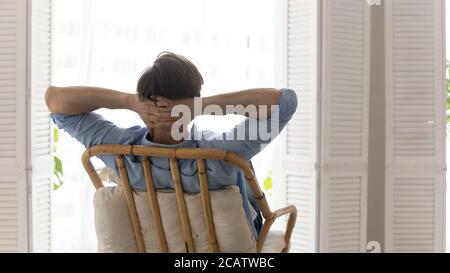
(345, 115)
(300, 151)
(41, 127)
(13, 181)
(415, 145)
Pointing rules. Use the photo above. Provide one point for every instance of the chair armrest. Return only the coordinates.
(289, 210)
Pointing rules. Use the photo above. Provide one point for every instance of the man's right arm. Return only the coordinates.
(251, 97)
(252, 135)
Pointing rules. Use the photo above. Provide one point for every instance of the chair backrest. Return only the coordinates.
(119, 151)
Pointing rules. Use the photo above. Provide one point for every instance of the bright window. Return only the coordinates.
(108, 43)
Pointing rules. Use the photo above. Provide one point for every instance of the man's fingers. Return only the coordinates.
(158, 113)
(161, 101)
(155, 109)
(161, 125)
(159, 119)
(158, 101)
(162, 104)
(154, 105)
(163, 116)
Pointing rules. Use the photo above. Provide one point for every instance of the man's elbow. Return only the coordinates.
(288, 104)
(51, 97)
(291, 101)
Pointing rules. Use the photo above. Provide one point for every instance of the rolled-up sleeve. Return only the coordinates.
(258, 133)
(92, 129)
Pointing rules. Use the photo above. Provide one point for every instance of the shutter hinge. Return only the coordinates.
(29, 188)
(29, 171)
(316, 166)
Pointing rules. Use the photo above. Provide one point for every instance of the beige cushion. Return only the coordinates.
(274, 242)
(114, 231)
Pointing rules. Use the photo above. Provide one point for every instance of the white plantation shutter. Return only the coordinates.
(25, 130)
(41, 136)
(300, 151)
(345, 116)
(13, 178)
(415, 126)
(326, 148)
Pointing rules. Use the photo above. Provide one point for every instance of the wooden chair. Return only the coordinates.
(119, 151)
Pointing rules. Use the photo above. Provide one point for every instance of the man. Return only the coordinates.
(171, 82)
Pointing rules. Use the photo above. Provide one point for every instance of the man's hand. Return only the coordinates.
(155, 114)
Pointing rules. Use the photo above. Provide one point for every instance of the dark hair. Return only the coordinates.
(172, 76)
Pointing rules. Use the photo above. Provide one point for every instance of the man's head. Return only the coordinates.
(172, 76)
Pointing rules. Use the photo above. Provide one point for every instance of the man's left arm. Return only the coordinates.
(78, 100)
(72, 108)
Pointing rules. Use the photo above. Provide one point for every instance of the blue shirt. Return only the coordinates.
(91, 129)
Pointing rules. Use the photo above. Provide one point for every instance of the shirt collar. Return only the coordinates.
(183, 144)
